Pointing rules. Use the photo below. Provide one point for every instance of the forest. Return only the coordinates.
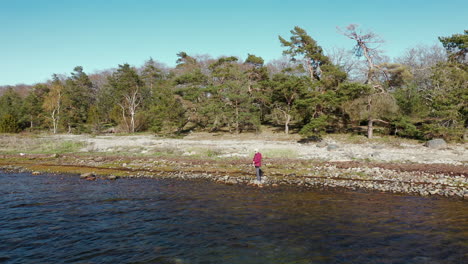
(421, 95)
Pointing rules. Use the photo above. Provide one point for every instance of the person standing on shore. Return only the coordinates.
(257, 162)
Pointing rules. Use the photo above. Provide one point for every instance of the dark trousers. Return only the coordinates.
(259, 173)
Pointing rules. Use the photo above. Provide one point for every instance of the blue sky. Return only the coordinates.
(42, 37)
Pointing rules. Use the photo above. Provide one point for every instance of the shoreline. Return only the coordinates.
(443, 180)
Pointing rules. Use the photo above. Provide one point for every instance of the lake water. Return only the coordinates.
(62, 219)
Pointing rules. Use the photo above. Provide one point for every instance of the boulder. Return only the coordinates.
(436, 143)
(112, 177)
(35, 173)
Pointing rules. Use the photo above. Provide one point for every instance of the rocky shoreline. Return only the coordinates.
(415, 179)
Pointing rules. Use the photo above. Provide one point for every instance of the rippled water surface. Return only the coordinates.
(62, 219)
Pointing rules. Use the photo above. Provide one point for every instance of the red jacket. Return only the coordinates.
(257, 159)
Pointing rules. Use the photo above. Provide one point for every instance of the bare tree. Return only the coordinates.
(53, 102)
(421, 60)
(348, 62)
(132, 99)
(279, 65)
(378, 103)
(367, 45)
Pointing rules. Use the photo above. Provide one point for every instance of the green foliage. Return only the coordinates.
(32, 111)
(9, 124)
(151, 74)
(286, 90)
(129, 94)
(404, 128)
(308, 93)
(436, 130)
(411, 101)
(10, 103)
(374, 106)
(349, 91)
(316, 126)
(457, 47)
(195, 77)
(167, 112)
(254, 60)
(77, 99)
(302, 45)
(395, 75)
(125, 80)
(449, 98)
(184, 60)
(332, 77)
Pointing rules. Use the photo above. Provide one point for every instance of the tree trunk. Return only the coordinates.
(124, 118)
(54, 117)
(132, 122)
(237, 119)
(370, 128)
(286, 124)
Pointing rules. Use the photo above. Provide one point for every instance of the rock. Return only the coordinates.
(230, 181)
(436, 143)
(55, 155)
(332, 147)
(375, 154)
(321, 144)
(99, 159)
(36, 173)
(87, 175)
(112, 177)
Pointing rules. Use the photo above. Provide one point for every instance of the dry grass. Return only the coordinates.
(267, 133)
(361, 139)
(11, 144)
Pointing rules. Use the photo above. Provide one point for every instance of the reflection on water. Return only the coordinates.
(61, 219)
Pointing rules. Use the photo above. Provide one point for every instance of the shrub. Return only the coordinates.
(9, 124)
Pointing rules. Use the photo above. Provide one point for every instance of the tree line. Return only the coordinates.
(422, 94)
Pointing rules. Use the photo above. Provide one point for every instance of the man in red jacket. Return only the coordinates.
(257, 162)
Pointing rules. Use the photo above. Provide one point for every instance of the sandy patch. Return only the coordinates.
(455, 154)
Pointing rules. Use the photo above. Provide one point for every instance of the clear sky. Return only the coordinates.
(42, 37)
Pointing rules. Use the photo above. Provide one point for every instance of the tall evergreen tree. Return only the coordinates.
(33, 113)
(457, 47)
(78, 97)
(306, 48)
(286, 91)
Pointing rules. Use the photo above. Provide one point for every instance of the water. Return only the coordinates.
(61, 219)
